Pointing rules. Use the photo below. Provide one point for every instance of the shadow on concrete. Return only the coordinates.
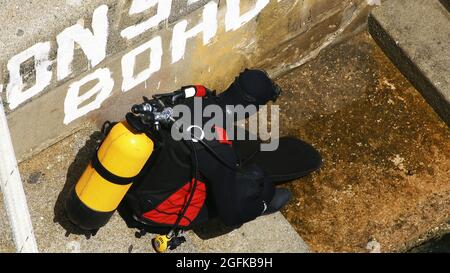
(435, 245)
(211, 229)
(74, 172)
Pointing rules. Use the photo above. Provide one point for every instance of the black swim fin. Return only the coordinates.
(292, 159)
(281, 197)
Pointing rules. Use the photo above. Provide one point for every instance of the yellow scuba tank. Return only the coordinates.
(119, 159)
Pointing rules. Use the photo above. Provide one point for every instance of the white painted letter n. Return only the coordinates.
(181, 35)
(93, 43)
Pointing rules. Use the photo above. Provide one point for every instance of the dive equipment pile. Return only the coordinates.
(166, 186)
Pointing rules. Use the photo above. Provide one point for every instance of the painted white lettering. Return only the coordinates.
(190, 2)
(102, 90)
(14, 91)
(138, 6)
(129, 63)
(234, 20)
(93, 43)
(208, 27)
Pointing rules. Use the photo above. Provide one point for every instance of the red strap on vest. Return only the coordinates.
(222, 136)
(168, 211)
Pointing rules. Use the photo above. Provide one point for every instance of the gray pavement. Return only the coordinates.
(415, 34)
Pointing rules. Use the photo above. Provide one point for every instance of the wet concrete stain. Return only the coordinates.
(35, 177)
(386, 172)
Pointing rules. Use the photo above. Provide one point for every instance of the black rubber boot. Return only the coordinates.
(281, 197)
